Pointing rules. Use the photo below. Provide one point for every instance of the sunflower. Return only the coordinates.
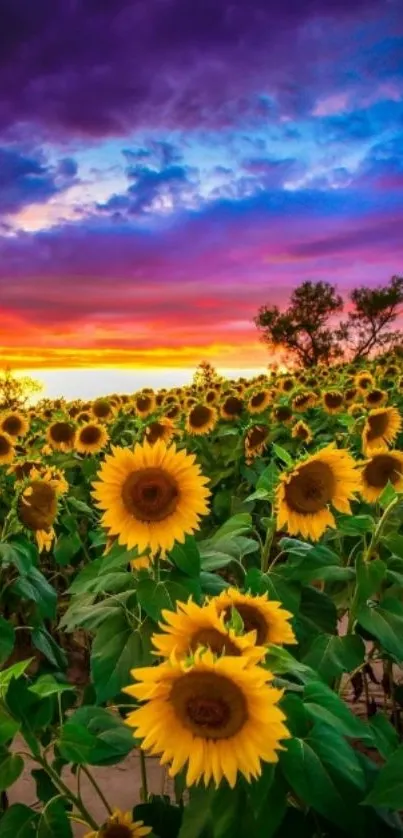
(303, 401)
(142, 562)
(160, 429)
(102, 409)
(355, 409)
(304, 494)
(211, 396)
(37, 509)
(218, 715)
(14, 424)
(60, 435)
(6, 449)
(283, 414)
(151, 496)
(159, 399)
(364, 381)
(286, 385)
(231, 407)
(84, 416)
(22, 469)
(383, 468)
(302, 432)
(350, 395)
(120, 825)
(259, 401)
(192, 626)
(381, 428)
(376, 398)
(201, 419)
(256, 440)
(144, 404)
(173, 411)
(90, 438)
(333, 401)
(259, 614)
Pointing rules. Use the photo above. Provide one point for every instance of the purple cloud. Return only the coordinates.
(28, 178)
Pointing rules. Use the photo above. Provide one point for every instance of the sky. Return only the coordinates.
(168, 166)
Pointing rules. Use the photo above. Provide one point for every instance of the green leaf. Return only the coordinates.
(317, 613)
(282, 454)
(237, 525)
(35, 587)
(47, 685)
(80, 506)
(355, 524)
(186, 556)
(336, 753)
(45, 789)
(46, 644)
(214, 560)
(331, 655)
(384, 734)
(54, 821)
(154, 597)
(11, 767)
(384, 624)
(269, 478)
(7, 639)
(388, 494)
(394, 542)
(325, 705)
(164, 818)
(388, 788)
(8, 726)
(212, 584)
(369, 578)
(116, 650)
(67, 546)
(12, 672)
(311, 781)
(95, 736)
(18, 822)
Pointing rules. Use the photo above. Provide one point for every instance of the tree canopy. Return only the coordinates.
(16, 390)
(311, 330)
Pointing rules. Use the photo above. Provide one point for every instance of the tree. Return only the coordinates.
(205, 376)
(368, 326)
(303, 328)
(16, 390)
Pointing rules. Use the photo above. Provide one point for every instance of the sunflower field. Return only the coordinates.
(209, 578)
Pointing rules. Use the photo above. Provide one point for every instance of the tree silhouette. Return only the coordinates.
(205, 375)
(303, 328)
(368, 325)
(16, 390)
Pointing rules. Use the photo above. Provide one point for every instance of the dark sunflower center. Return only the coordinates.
(90, 435)
(155, 431)
(116, 830)
(377, 425)
(375, 396)
(211, 396)
(38, 510)
(150, 494)
(365, 382)
(252, 620)
(199, 416)
(12, 425)
(333, 399)
(61, 432)
(288, 384)
(143, 403)
(310, 488)
(22, 469)
(5, 446)
(101, 408)
(383, 468)
(256, 436)
(283, 413)
(258, 399)
(233, 406)
(84, 417)
(350, 394)
(173, 411)
(210, 705)
(301, 401)
(217, 642)
(302, 431)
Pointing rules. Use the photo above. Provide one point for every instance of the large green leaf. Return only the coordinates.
(7, 639)
(66, 547)
(385, 736)
(46, 644)
(385, 622)
(310, 780)
(35, 587)
(8, 726)
(117, 649)
(317, 614)
(186, 556)
(154, 597)
(95, 736)
(369, 578)
(54, 821)
(330, 655)
(18, 822)
(11, 767)
(323, 704)
(388, 788)
(336, 753)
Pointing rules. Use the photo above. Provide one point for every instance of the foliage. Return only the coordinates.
(16, 390)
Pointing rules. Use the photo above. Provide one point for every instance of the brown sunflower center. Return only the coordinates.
(199, 416)
(61, 432)
(173, 411)
(90, 435)
(233, 406)
(256, 436)
(252, 620)
(84, 417)
(150, 494)
(217, 642)
(333, 399)
(38, 510)
(350, 394)
(377, 425)
(258, 399)
(22, 470)
(301, 401)
(5, 446)
(211, 396)
(287, 385)
(381, 469)
(311, 488)
(143, 403)
(302, 431)
(210, 705)
(375, 396)
(283, 413)
(155, 431)
(101, 408)
(364, 382)
(116, 830)
(12, 425)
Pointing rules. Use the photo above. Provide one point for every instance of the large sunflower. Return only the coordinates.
(218, 715)
(14, 424)
(380, 429)
(120, 825)
(60, 435)
(304, 495)
(6, 448)
(160, 429)
(90, 438)
(201, 419)
(333, 401)
(259, 401)
(192, 626)
(151, 496)
(259, 614)
(376, 398)
(232, 407)
(37, 509)
(383, 468)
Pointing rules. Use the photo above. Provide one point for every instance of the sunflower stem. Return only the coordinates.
(378, 529)
(98, 790)
(77, 801)
(144, 781)
(265, 556)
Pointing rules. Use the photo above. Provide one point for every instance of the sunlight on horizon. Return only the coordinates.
(90, 383)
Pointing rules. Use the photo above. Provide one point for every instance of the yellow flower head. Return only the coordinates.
(201, 419)
(382, 468)
(121, 825)
(90, 438)
(14, 424)
(380, 429)
(259, 614)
